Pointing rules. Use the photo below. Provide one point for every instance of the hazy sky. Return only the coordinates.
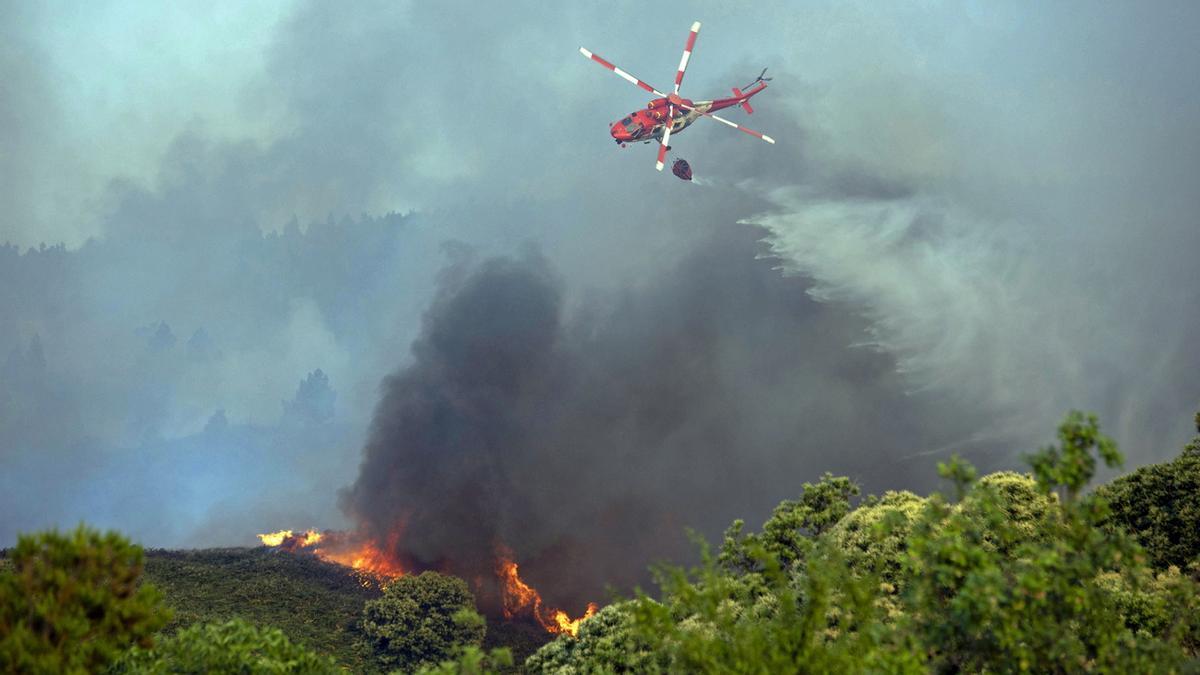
(977, 216)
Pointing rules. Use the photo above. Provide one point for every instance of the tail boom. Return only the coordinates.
(740, 99)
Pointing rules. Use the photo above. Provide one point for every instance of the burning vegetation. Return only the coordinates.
(289, 540)
(372, 563)
(366, 560)
(501, 429)
(521, 599)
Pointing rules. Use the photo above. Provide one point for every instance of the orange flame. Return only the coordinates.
(337, 547)
(519, 597)
(274, 538)
(372, 564)
(291, 539)
(566, 624)
(364, 557)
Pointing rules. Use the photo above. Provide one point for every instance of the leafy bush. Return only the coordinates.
(606, 643)
(873, 537)
(314, 603)
(234, 647)
(1068, 467)
(469, 659)
(72, 603)
(1016, 574)
(1014, 579)
(819, 617)
(788, 533)
(1019, 503)
(1160, 505)
(421, 620)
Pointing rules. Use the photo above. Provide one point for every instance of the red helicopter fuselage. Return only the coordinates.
(646, 125)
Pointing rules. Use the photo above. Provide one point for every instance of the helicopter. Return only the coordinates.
(670, 113)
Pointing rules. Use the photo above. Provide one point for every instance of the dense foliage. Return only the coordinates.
(1009, 573)
(72, 603)
(231, 648)
(468, 658)
(1012, 574)
(607, 638)
(421, 619)
(1160, 505)
(314, 603)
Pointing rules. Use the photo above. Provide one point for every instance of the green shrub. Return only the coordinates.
(421, 620)
(606, 643)
(1160, 505)
(72, 603)
(234, 647)
(819, 617)
(469, 659)
(1008, 509)
(873, 536)
(314, 603)
(1015, 575)
(788, 533)
(1006, 584)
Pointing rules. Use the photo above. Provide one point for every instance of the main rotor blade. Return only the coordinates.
(722, 120)
(687, 55)
(662, 148)
(618, 71)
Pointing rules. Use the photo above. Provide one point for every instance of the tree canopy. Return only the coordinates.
(1007, 572)
(1160, 505)
(1011, 573)
(231, 648)
(421, 620)
(72, 603)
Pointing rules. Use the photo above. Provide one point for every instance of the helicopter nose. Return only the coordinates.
(618, 132)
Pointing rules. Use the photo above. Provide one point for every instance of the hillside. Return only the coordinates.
(312, 601)
(1002, 569)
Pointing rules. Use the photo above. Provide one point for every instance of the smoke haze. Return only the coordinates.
(575, 435)
(976, 218)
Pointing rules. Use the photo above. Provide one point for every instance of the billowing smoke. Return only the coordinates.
(588, 437)
(989, 211)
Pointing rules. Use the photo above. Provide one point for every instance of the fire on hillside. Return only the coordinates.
(366, 558)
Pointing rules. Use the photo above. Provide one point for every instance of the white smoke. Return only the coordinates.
(995, 314)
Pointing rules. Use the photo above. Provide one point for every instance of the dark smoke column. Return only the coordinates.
(588, 441)
(447, 462)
